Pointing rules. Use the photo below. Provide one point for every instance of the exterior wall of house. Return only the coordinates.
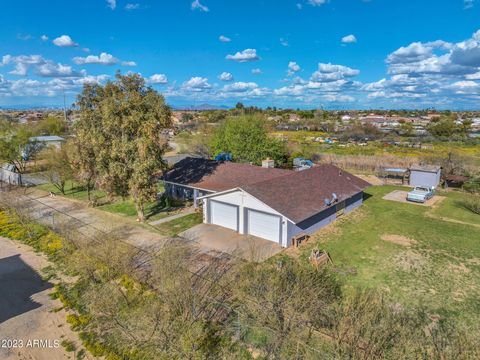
(181, 192)
(245, 201)
(353, 202)
(424, 178)
(323, 218)
(289, 229)
(311, 225)
(10, 177)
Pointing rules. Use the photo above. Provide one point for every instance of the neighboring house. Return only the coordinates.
(269, 203)
(10, 175)
(49, 140)
(426, 175)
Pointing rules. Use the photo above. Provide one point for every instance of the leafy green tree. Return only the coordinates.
(51, 125)
(15, 146)
(443, 127)
(58, 166)
(247, 139)
(121, 127)
(406, 128)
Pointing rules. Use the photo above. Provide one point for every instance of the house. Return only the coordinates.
(48, 140)
(270, 203)
(426, 175)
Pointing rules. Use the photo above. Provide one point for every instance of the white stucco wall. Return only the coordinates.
(246, 201)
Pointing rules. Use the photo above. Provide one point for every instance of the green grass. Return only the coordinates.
(125, 207)
(440, 271)
(174, 227)
(74, 191)
(452, 208)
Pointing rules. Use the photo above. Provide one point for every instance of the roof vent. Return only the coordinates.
(268, 163)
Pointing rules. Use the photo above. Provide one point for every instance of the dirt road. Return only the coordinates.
(29, 329)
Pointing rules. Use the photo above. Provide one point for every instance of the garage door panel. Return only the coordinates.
(263, 225)
(225, 215)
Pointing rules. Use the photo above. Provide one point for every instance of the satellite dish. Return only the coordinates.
(334, 197)
(327, 202)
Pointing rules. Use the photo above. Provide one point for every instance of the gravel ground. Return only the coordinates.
(29, 329)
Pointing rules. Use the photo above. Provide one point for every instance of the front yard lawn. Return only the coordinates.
(176, 226)
(409, 253)
(153, 211)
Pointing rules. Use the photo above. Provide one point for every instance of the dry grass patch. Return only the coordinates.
(410, 260)
(398, 239)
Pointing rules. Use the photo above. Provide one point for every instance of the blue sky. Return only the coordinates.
(342, 54)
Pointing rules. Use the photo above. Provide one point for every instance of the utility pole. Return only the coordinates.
(64, 106)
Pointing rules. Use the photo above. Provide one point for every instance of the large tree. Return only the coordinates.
(15, 145)
(58, 165)
(119, 137)
(247, 139)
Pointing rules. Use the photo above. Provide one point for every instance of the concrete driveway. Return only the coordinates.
(228, 241)
(401, 196)
(26, 310)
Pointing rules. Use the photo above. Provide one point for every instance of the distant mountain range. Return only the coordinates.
(31, 107)
(201, 107)
(59, 107)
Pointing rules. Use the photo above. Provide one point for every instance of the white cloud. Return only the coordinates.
(64, 41)
(132, 6)
(197, 6)
(223, 38)
(240, 87)
(244, 56)
(349, 39)
(158, 79)
(197, 83)
(49, 69)
(103, 59)
(475, 76)
(293, 68)
(24, 37)
(299, 6)
(112, 4)
(317, 2)
(256, 71)
(44, 38)
(468, 4)
(225, 76)
(331, 72)
(42, 67)
(284, 42)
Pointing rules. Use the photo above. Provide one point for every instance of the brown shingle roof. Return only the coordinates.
(302, 194)
(296, 194)
(219, 176)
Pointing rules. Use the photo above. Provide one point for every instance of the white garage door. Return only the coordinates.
(224, 215)
(266, 226)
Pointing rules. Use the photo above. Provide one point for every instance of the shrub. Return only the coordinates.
(472, 203)
(473, 185)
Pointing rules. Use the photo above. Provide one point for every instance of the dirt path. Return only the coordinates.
(29, 329)
(89, 221)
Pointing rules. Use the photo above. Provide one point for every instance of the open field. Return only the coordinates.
(415, 254)
(304, 140)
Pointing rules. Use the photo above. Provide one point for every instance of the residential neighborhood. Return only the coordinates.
(252, 180)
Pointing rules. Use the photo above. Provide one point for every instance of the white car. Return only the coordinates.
(421, 194)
